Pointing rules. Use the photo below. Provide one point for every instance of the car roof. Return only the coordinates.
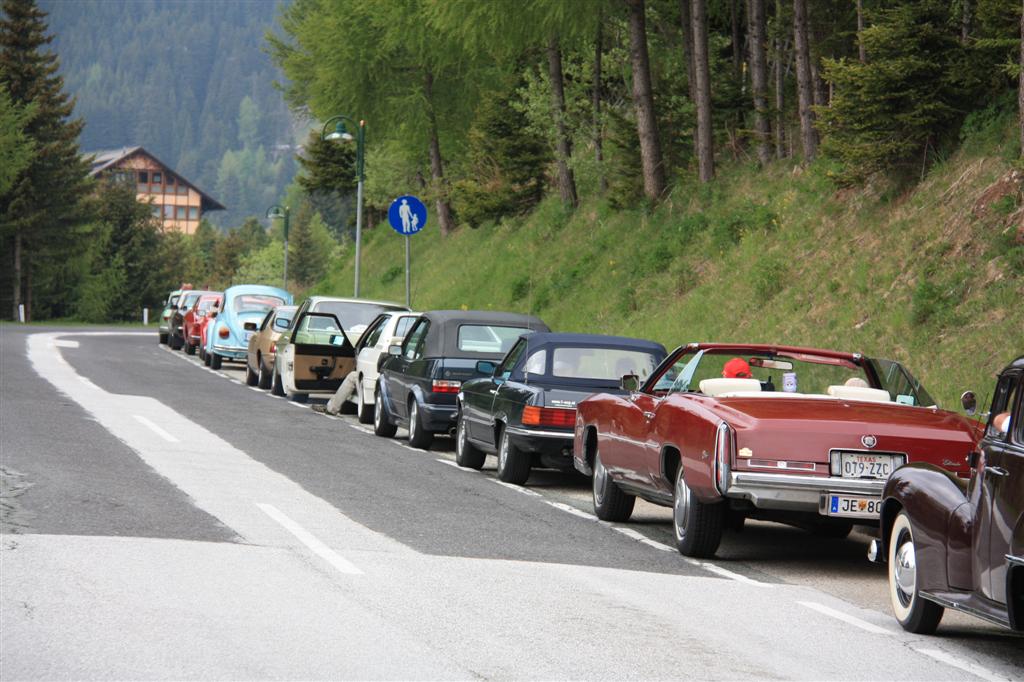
(1015, 364)
(567, 338)
(313, 300)
(485, 316)
(442, 340)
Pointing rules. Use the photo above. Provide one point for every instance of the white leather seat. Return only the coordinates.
(873, 395)
(716, 387)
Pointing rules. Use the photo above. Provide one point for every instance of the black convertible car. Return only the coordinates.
(525, 410)
(419, 380)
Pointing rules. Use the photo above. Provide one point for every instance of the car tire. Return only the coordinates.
(610, 503)
(513, 463)
(207, 358)
(251, 378)
(419, 437)
(298, 397)
(265, 377)
(215, 361)
(697, 525)
(277, 387)
(364, 412)
(914, 613)
(466, 454)
(173, 342)
(382, 424)
(190, 349)
(162, 339)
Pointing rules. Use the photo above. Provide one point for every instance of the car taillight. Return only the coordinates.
(548, 416)
(441, 386)
(166, 316)
(223, 333)
(725, 442)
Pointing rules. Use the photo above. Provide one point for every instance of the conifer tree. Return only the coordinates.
(309, 250)
(40, 213)
(15, 147)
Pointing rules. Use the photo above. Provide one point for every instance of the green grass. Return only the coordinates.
(777, 256)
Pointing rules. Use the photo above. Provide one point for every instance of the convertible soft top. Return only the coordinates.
(442, 340)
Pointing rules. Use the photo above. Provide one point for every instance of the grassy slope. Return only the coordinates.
(776, 256)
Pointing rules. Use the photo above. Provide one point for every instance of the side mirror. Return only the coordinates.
(249, 326)
(630, 382)
(395, 350)
(486, 367)
(969, 402)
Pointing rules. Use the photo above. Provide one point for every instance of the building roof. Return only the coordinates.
(107, 158)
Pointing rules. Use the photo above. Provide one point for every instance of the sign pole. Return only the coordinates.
(407, 216)
(407, 297)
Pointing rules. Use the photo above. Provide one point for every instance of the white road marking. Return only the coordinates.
(364, 429)
(569, 509)
(643, 539)
(409, 447)
(88, 383)
(255, 388)
(517, 488)
(966, 666)
(311, 541)
(726, 573)
(61, 343)
(846, 618)
(295, 404)
(452, 464)
(154, 428)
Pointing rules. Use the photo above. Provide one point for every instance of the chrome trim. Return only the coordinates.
(232, 349)
(520, 431)
(874, 551)
(797, 493)
(953, 605)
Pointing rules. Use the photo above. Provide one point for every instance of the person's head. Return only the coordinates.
(856, 382)
(1002, 422)
(737, 368)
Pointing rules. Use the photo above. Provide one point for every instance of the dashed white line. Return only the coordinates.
(311, 541)
(569, 509)
(966, 666)
(155, 429)
(517, 488)
(845, 617)
(255, 388)
(357, 427)
(726, 573)
(295, 404)
(643, 539)
(451, 463)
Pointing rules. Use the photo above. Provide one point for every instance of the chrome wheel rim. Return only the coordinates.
(681, 506)
(905, 569)
(503, 453)
(460, 439)
(360, 406)
(600, 479)
(378, 411)
(414, 415)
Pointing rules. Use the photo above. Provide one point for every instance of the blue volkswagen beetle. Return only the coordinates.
(244, 308)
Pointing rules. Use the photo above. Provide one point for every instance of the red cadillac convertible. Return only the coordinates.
(723, 432)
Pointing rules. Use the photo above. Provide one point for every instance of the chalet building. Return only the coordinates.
(178, 203)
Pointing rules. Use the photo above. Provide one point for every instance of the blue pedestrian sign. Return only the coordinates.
(407, 215)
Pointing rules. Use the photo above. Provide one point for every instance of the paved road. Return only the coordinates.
(161, 520)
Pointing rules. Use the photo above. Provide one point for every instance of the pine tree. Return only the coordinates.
(40, 213)
(328, 176)
(309, 251)
(15, 147)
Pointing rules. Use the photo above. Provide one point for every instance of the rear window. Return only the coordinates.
(353, 314)
(486, 338)
(172, 301)
(250, 303)
(609, 364)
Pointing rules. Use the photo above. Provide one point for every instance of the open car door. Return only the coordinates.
(323, 354)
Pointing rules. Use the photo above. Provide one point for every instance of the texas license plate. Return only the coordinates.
(864, 465)
(856, 507)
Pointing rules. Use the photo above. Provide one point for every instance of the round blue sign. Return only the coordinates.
(407, 215)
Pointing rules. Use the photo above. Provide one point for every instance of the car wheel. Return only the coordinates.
(914, 613)
(697, 525)
(298, 397)
(215, 361)
(251, 378)
(162, 339)
(265, 378)
(364, 412)
(610, 503)
(419, 437)
(190, 349)
(207, 358)
(277, 387)
(382, 425)
(513, 463)
(174, 342)
(466, 454)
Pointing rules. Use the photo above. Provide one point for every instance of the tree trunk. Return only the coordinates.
(862, 54)
(759, 79)
(705, 141)
(563, 147)
(804, 81)
(687, 26)
(444, 211)
(1020, 91)
(780, 84)
(643, 103)
(16, 283)
(734, 20)
(602, 181)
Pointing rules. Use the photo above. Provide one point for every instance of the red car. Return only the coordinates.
(724, 432)
(196, 319)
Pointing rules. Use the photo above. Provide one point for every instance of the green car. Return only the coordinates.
(164, 329)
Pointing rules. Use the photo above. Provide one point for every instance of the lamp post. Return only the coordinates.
(278, 212)
(340, 133)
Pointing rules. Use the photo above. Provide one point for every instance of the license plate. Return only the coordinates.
(863, 465)
(856, 507)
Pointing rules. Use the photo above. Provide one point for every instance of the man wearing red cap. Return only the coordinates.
(737, 368)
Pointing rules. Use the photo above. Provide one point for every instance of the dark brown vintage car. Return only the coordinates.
(955, 544)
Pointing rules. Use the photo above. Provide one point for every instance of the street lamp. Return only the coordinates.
(278, 212)
(339, 133)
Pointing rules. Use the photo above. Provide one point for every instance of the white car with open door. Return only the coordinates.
(387, 329)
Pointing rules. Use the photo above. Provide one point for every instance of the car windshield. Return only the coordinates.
(351, 314)
(609, 364)
(252, 303)
(189, 300)
(488, 338)
(172, 301)
(901, 384)
(779, 374)
(206, 304)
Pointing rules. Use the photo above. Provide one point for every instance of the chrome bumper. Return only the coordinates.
(535, 433)
(231, 351)
(797, 493)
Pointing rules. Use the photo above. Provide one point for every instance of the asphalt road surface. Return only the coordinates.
(163, 521)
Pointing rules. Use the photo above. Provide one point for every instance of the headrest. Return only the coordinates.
(716, 387)
(874, 395)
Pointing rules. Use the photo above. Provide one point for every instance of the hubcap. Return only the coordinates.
(503, 453)
(378, 413)
(414, 417)
(681, 506)
(600, 479)
(460, 440)
(905, 569)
